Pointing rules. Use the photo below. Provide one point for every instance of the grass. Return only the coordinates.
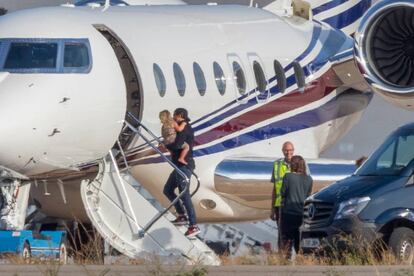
(351, 251)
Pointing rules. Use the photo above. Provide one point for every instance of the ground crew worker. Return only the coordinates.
(280, 168)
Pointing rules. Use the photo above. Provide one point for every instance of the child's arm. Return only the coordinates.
(179, 127)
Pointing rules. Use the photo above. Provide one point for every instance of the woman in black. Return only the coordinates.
(296, 187)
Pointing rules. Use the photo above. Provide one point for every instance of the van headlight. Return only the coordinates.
(351, 207)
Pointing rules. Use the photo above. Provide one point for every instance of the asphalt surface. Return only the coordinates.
(78, 270)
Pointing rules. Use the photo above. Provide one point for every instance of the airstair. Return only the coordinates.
(130, 219)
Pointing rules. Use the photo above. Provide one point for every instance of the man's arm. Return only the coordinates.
(179, 141)
(179, 127)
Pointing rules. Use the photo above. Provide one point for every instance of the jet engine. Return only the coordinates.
(384, 50)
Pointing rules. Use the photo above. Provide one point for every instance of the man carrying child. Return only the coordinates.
(182, 156)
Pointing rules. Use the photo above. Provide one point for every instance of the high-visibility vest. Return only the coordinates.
(280, 168)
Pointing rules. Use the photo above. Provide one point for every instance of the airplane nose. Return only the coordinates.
(21, 120)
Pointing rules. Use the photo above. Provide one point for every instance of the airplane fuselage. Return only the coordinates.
(249, 79)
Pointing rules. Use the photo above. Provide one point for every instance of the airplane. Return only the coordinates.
(81, 89)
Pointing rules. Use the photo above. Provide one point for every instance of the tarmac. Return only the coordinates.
(92, 270)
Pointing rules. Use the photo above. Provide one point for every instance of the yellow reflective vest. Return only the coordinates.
(280, 168)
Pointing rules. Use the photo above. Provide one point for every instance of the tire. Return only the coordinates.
(63, 253)
(402, 244)
(26, 253)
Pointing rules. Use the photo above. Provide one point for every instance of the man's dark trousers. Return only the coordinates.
(175, 180)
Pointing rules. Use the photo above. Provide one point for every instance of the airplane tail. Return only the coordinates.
(343, 15)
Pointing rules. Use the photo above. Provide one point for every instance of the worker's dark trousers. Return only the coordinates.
(290, 235)
(175, 180)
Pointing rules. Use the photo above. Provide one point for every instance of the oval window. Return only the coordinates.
(239, 77)
(299, 76)
(199, 79)
(260, 77)
(219, 78)
(159, 80)
(179, 79)
(280, 76)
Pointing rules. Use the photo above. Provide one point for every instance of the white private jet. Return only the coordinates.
(81, 89)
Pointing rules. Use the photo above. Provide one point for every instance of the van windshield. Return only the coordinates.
(392, 157)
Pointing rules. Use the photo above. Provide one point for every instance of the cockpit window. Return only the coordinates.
(21, 56)
(31, 56)
(76, 55)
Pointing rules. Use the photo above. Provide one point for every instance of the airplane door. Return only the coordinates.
(239, 80)
(260, 76)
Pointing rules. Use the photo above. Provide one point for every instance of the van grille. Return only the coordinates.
(317, 214)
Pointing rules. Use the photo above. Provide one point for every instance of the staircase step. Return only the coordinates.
(119, 212)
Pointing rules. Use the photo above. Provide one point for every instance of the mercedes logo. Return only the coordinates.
(311, 211)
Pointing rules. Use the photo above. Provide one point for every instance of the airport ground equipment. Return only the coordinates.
(131, 220)
(14, 238)
(28, 244)
(374, 204)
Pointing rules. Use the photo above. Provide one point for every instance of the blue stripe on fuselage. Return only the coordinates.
(349, 16)
(305, 120)
(328, 6)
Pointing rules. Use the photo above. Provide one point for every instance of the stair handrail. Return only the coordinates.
(155, 138)
(118, 173)
(145, 229)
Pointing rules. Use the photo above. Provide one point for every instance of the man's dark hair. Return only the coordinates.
(297, 164)
(3, 11)
(183, 113)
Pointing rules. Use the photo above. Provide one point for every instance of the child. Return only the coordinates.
(169, 131)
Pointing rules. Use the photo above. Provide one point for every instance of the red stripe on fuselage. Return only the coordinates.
(314, 91)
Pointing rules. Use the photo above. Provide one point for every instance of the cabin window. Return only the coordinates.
(76, 55)
(26, 55)
(299, 76)
(280, 76)
(199, 79)
(159, 80)
(239, 77)
(260, 77)
(219, 78)
(179, 79)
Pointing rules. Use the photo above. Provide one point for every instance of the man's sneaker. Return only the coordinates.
(180, 220)
(192, 231)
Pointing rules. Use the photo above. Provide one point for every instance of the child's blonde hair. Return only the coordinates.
(166, 118)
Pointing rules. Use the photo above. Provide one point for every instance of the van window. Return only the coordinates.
(280, 76)
(239, 77)
(179, 79)
(260, 77)
(159, 80)
(31, 55)
(220, 78)
(199, 79)
(76, 55)
(299, 76)
(392, 157)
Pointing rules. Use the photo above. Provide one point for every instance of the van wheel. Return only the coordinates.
(402, 244)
